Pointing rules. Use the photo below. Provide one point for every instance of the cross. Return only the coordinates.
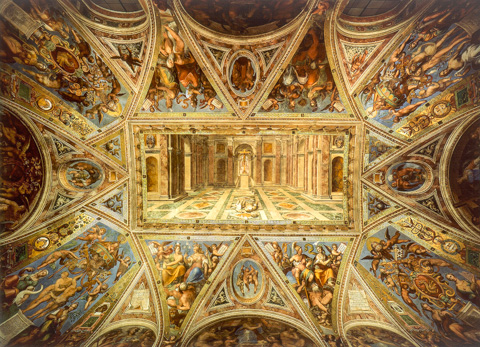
(244, 152)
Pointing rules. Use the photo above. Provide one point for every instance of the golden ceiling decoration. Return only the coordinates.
(239, 173)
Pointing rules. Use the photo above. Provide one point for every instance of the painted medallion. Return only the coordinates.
(247, 280)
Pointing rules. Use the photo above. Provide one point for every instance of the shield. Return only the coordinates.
(429, 287)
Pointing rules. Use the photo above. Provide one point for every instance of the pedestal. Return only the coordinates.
(244, 182)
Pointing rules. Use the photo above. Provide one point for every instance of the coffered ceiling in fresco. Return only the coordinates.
(239, 173)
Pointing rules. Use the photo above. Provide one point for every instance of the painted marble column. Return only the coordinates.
(283, 162)
(294, 174)
(205, 163)
(309, 164)
(180, 164)
(163, 177)
(318, 167)
(199, 159)
(301, 164)
(287, 161)
(230, 166)
(314, 165)
(170, 165)
(258, 162)
(211, 162)
(324, 190)
(193, 174)
(188, 172)
(176, 176)
(278, 163)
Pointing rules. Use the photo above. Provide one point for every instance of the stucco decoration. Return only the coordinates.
(256, 173)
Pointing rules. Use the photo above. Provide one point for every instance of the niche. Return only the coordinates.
(152, 174)
(337, 175)
(221, 171)
(267, 170)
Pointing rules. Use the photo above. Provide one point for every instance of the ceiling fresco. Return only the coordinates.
(251, 331)
(127, 336)
(183, 267)
(375, 336)
(61, 60)
(438, 54)
(461, 177)
(64, 268)
(178, 83)
(22, 171)
(244, 18)
(312, 268)
(239, 173)
(307, 85)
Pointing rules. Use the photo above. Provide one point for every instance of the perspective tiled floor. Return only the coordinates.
(274, 204)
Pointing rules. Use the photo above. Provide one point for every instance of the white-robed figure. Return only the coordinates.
(244, 167)
(244, 181)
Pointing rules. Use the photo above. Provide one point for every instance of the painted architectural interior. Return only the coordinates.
(240, 173)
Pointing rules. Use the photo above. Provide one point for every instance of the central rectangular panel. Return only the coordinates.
(237, 179)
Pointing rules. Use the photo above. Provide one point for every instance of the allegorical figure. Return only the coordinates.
(174, 267)
(467, 289)
(12, 285)
(404, 178)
